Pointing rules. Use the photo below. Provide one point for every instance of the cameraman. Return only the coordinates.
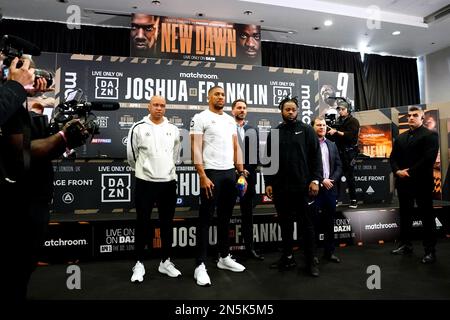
(26, 184)
(345, 135)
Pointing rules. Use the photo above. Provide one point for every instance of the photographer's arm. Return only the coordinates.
(73, 135)
(51, 147)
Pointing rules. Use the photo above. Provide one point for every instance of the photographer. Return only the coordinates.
(345, 135)
(26, 183)
(12, 92)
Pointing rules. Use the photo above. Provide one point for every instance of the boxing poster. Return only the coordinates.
(375, 141)
(194, 39)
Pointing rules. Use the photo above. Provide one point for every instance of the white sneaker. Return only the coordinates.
(168, 268)
(138, 272)
(201, 276)
(229, 263)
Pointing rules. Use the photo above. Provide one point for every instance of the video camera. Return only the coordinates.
(332, 115)
(74, 107)
(12, 47)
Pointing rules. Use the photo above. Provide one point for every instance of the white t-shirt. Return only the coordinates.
(217, 131)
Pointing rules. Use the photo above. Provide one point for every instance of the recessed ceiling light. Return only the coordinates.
(316, 28)
(248, 12)
(328, 23)
(156, 2)
(200, 14)
(396, 33)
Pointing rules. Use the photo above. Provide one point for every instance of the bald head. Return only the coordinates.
(157, 109)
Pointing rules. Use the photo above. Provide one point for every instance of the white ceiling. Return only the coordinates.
(353, 20)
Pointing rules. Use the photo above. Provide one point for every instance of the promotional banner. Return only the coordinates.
(334, 85)
(111, 186)
(375, 141)
(133, 81)
(372, 180)
(431, 121)
(194, 39)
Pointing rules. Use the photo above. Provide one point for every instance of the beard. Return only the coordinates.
(289, 119)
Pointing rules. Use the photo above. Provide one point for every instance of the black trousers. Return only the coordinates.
(348, 168)
(223, 199)
(293, 206)
(424, 201)
(164, 196)
(325, 212)
(25, 221)
(246, 205)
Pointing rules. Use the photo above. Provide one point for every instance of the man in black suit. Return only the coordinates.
(412, 159)
(326, 199)
(249, 143)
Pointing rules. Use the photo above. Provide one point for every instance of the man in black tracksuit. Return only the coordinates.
(412, 159)
(295, 182)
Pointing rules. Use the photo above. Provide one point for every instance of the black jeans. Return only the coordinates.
(164, 195)
(246, 205)
(224, 198)
(424, 201)
(348, 168)
(292, 205)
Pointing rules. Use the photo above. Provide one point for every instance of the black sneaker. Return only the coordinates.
(284, 263)
(429, 258)
(353, 204)
(403, 249)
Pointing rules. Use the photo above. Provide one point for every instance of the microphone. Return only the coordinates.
(20, 45)
(103, 106)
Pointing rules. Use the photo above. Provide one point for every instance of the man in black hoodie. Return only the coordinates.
(296, 182)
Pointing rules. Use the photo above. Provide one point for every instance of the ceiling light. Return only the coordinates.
(396, 33)
(156, 2)
(328, 23)
(248, 12)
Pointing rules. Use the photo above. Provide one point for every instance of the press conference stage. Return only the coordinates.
(106, 275)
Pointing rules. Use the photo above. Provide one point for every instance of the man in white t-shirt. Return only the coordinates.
(152, 150)
(216, 155)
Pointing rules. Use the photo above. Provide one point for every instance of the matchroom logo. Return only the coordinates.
(106, 88)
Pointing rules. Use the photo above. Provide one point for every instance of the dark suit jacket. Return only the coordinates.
(335, 164)
(416, 150)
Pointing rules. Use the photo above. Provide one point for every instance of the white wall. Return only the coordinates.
(437, 76)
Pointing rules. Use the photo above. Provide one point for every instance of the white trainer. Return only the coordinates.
(138, 272)
(167, 267)
(229, 263)
(201, 276)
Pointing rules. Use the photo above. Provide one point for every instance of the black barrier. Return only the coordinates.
(104, 186)
(373, 180)
(114, 238)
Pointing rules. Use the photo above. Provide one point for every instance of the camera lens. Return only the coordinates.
(39, 73)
